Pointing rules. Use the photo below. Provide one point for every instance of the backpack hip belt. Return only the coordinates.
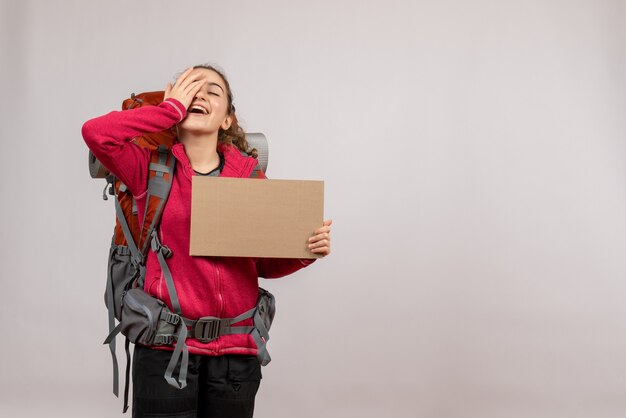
(205, 329)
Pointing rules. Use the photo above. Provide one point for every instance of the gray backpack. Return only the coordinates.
(146, 320)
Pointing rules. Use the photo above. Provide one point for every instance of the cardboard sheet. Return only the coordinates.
(253, 217)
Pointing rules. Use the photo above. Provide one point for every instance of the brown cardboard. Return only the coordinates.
(254, 218)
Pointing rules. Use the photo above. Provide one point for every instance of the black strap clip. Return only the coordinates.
(158, 247)
(170, 317)
(207, 329)
(163, 339)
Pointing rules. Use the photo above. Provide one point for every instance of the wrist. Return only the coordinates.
(176, 104)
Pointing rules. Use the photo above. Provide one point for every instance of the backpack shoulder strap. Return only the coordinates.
(162, 164)
(161, 174)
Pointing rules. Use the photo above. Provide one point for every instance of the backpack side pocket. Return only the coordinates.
(143, 319)
(121, 275)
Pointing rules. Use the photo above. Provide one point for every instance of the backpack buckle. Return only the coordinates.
(167, 253)
(170, 317)
(157, 246)
(207, 329)
(163, 339)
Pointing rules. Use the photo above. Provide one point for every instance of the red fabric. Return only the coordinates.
(206, 286)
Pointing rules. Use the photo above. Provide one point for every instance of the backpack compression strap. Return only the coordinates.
(260, 332)
(180, 350)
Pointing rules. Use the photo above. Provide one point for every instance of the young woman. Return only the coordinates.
(224, 374)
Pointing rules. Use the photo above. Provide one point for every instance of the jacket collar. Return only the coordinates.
(235, 164)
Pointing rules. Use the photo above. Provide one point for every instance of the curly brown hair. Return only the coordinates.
(234, 135)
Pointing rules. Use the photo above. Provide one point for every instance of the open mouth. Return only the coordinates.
(197, 110)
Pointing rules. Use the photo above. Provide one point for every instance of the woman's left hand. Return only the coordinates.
(319, 243)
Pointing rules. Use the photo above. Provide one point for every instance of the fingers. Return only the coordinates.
(325, 228)
(182, 77)
(321, 243)
(324, 251)
(322, 247)
(187, 84)
(322, 230)
(194, 86)
(323, 235)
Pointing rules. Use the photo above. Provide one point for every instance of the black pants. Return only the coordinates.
(217, 386)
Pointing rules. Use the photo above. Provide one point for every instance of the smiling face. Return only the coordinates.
(213, 100)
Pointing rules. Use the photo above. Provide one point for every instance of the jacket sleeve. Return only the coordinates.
(110, 139)
(270, 268)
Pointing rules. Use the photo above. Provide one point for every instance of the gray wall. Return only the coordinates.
(473, 157)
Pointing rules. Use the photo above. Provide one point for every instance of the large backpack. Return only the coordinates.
(128, 253)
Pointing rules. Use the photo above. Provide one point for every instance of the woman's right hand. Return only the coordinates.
(184, 89)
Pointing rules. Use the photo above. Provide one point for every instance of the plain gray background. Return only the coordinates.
(473, 158)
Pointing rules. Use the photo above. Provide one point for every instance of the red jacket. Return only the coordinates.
(206, 286)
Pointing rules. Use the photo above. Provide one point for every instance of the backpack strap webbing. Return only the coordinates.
(161, 175)
(260, 333)
(136, 260)
(159, 185)
(180, 350)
